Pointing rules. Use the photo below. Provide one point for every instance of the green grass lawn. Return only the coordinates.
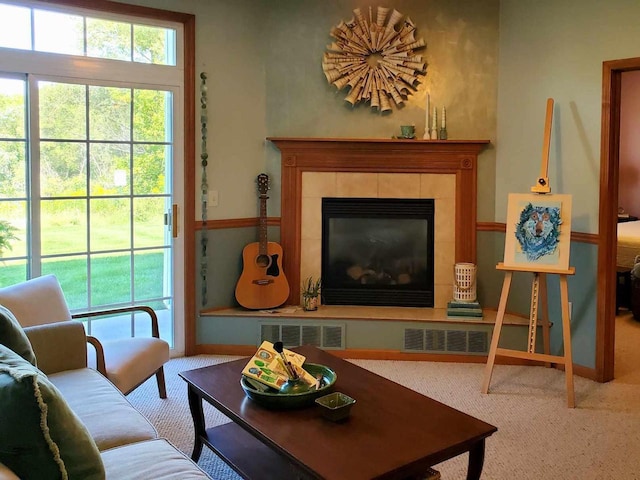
(109, 278)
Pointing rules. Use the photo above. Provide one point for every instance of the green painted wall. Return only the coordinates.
(551, 48)
(461, 52)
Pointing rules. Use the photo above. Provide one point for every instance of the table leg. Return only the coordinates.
(197, 414)
(476, 461)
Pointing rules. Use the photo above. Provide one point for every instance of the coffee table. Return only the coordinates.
(392, 433)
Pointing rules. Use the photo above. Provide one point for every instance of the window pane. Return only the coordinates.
(13, 224)
(109, 169)
(149, 169)
(149, 269)
(109, 113)
(63, 169)
(13, 169)
(163, 312)
(149, 228)
(110, 279)
(62, 111)
(152, 116)
(58, 32)
(64, 226)
(13, 271)
(72, 275)
(12, 106)
(110, 227)
(154, 45)
(15, 27)
(108, 39)
(111, 327)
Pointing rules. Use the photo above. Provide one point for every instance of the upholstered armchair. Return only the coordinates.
(126, 362)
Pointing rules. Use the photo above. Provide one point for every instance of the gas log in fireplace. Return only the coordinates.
(378, 251)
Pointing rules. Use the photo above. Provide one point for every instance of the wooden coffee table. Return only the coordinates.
(392, 432)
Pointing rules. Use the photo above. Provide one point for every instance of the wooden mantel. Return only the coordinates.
(300, 155)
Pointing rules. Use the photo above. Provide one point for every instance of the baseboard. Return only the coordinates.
(372, 354)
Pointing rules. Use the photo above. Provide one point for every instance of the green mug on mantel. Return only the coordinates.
(408, 131)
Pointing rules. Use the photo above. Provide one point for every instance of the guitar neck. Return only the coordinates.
(262, 228)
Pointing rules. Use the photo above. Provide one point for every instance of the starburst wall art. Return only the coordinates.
(373, 55)
(538, 230)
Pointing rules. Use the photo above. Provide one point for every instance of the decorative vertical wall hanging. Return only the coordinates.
(204, 186)
(375, 57)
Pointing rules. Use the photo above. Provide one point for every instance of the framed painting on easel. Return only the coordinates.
(538, 231)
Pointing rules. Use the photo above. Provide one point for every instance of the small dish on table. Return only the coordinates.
(336, 406)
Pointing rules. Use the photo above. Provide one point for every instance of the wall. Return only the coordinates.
(555, 49)
(461, 52)
(551, 48)
(629, 193)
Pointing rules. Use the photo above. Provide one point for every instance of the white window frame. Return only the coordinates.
(75, 69)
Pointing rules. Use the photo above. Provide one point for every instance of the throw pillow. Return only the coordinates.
(12, 335)
(40, 436)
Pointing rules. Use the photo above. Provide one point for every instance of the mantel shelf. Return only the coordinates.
(380, 144)
(374, 140)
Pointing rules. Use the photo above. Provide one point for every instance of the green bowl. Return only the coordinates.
(277, 400)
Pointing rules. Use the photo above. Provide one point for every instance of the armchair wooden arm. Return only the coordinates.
(100, 363)
(155, 331)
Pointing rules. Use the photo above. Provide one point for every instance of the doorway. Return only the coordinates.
(607, 243)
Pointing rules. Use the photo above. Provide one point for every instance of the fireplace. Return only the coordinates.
(443, 170)
(378, 251)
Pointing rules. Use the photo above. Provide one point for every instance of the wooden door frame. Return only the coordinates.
(607, 238)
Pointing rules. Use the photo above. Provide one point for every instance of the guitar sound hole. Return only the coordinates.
(263, 261)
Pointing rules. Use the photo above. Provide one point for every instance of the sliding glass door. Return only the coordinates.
(86, 194)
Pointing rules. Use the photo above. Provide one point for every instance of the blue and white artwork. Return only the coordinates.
(538, 232)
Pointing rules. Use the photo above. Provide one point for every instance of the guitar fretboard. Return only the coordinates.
(262, 228)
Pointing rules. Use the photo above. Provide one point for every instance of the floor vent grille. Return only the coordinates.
(294, 335)
(446, 341)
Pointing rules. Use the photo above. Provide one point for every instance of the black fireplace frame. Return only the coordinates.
(421, 295)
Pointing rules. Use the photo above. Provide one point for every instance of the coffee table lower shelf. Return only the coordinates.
(250, 458)
(247, 455)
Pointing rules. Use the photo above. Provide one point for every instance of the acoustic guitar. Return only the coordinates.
(262, 283)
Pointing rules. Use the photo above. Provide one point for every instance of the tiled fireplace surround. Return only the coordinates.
(316, 185)
(370, 168)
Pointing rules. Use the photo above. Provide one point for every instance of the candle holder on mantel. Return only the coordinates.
(442, 135)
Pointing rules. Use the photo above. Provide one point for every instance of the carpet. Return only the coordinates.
(538, 437)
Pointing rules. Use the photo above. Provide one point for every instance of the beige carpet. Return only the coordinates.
(538, 436)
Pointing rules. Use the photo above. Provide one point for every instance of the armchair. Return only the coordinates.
(126, 362)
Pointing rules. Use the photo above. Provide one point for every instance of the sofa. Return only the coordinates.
(60, 419)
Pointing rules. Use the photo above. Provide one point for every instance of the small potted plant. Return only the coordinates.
(310, 293)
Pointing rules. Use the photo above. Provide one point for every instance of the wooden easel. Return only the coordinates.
(538, 296)
(538, 299)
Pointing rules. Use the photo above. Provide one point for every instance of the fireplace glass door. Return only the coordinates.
(377, 251)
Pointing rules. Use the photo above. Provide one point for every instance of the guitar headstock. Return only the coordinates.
(263, 184)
